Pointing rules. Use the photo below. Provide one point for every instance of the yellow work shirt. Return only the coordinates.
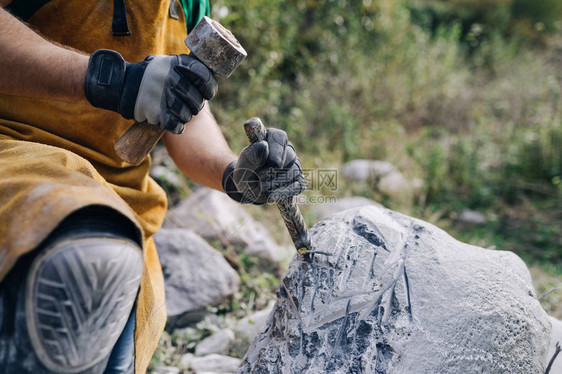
(57, 157)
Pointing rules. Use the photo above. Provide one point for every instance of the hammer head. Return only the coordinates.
(215, 46)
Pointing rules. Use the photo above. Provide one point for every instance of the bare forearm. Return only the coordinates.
(201, 152)
(33, 67)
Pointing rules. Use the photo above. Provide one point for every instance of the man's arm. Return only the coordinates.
(268, 170)
(32, 66)
(201, 152)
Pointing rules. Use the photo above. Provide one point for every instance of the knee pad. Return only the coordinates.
(78, 293)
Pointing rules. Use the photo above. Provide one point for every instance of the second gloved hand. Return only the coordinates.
(266, 171)
(164, 91)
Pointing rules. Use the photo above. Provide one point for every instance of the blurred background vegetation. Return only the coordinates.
(464, 94)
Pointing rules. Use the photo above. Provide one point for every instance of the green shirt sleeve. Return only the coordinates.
(194, 10)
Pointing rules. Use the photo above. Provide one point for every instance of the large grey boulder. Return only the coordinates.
(214, 216)
(195, 274)
(398, 295)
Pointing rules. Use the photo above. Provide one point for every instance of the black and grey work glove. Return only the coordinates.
(266, 171)
(164, 91)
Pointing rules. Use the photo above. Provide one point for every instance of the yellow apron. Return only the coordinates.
(57, 157)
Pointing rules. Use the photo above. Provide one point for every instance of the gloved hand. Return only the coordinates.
(165, 91)
(266, 171)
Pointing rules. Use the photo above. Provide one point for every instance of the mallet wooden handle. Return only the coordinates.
(137, 142)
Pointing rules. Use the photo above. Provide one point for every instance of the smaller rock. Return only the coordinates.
(195, 274)
(215, 216)
(185, 361)
(216, 343)
(187, 318)
(556, 337)
(185, 333)
(250, 326)
(472, 218)
(215, 363)
(166, 370)
(168, 178)
(382, 174)
(358, 170)
(164, 174)
(392, 183)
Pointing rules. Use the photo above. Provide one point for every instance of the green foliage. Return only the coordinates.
(385, 79)
(484, 169)
(529, 20)
(326, 72)
(257, 287)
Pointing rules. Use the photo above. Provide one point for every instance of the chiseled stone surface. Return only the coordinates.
(399, 295)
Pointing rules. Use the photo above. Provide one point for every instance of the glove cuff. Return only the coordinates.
(228, 183)
(104, 79)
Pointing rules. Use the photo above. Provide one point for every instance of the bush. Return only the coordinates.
(340, 74)
(513, 148)
(528, 20)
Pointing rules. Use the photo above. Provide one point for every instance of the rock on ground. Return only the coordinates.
(185, 361)
(365, 170)
(219, 343)
(195, 274)
(398, 295)
(215, 363)
(471, 218)
(248, 327)
(215, 216)
(385, 176)
(165, 370)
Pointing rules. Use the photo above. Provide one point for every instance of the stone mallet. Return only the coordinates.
(294, 221)
(214, 46)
